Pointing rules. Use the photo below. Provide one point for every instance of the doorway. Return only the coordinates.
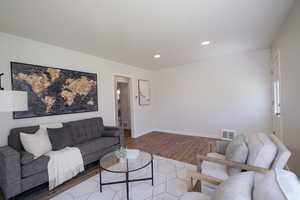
(123, 104)
(276, 90)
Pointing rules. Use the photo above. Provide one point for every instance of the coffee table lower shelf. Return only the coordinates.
(127, 180)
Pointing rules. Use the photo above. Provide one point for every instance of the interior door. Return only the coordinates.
(124, 105)
(276, 89)
(122, 102)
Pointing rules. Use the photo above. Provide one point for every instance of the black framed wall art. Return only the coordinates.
(54, 91)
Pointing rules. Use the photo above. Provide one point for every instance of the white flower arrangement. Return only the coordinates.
(121, 153)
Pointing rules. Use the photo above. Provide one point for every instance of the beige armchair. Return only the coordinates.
(265, 152)
(274, 185)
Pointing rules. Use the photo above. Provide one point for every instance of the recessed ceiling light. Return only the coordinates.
(156, 56)
(204, 43)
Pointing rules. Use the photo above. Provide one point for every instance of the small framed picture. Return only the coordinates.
(144, 92)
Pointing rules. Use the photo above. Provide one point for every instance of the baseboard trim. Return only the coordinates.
(213, 136)
(143, 133)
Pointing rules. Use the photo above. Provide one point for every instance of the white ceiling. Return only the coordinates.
(132, 31)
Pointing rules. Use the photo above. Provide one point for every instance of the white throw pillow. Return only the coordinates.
(277, 185)
(236, 151)
(37, 144)
(236, 187)
(262, 150)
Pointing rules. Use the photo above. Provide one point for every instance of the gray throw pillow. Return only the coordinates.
(236, 151)
(60, 138)
(236, 187)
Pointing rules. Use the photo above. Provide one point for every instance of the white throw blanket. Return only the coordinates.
(64, 165)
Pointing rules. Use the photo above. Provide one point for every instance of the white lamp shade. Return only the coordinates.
(13, 101)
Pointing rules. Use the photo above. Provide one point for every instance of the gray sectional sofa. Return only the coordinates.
(19, 171)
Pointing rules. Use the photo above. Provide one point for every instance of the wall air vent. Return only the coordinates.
(228, 134)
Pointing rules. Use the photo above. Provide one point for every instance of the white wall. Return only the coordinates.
(231, 92)
(27, 51)
(288, 41)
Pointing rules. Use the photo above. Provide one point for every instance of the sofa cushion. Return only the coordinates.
(36, 166)
(26, 157)
(277, 185)
(60, 137)
(213, 169)
(236, 151)
(283, 154)
(92, 157)
(262, 150)
(85, 130)
(14, 136)
(237, 187)
(96, 145)
(34, 180)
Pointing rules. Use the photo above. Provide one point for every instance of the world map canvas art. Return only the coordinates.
(54, 91)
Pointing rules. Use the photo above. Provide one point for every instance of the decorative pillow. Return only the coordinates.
(236, 151)
(277, 185)
(60, 138)
(236, 187)
(37, 143)
(262, 150)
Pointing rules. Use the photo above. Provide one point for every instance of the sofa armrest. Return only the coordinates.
(111, 131)
(233, 164)
(10, 171)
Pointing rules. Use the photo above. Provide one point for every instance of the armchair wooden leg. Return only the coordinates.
(195, 186)
(198, 187)
(191, 186)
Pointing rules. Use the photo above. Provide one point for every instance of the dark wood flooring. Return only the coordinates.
(178, 147)
(127, 133)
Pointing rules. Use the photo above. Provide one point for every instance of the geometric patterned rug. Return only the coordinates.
(171, 181)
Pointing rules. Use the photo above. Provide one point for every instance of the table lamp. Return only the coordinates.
(11, 100)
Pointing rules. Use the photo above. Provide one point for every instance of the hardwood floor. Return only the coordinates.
(127, 133)
(178, 147)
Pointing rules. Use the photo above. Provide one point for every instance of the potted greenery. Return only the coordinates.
(121, 154)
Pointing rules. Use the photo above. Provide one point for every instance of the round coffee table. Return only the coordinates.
(126, 166)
